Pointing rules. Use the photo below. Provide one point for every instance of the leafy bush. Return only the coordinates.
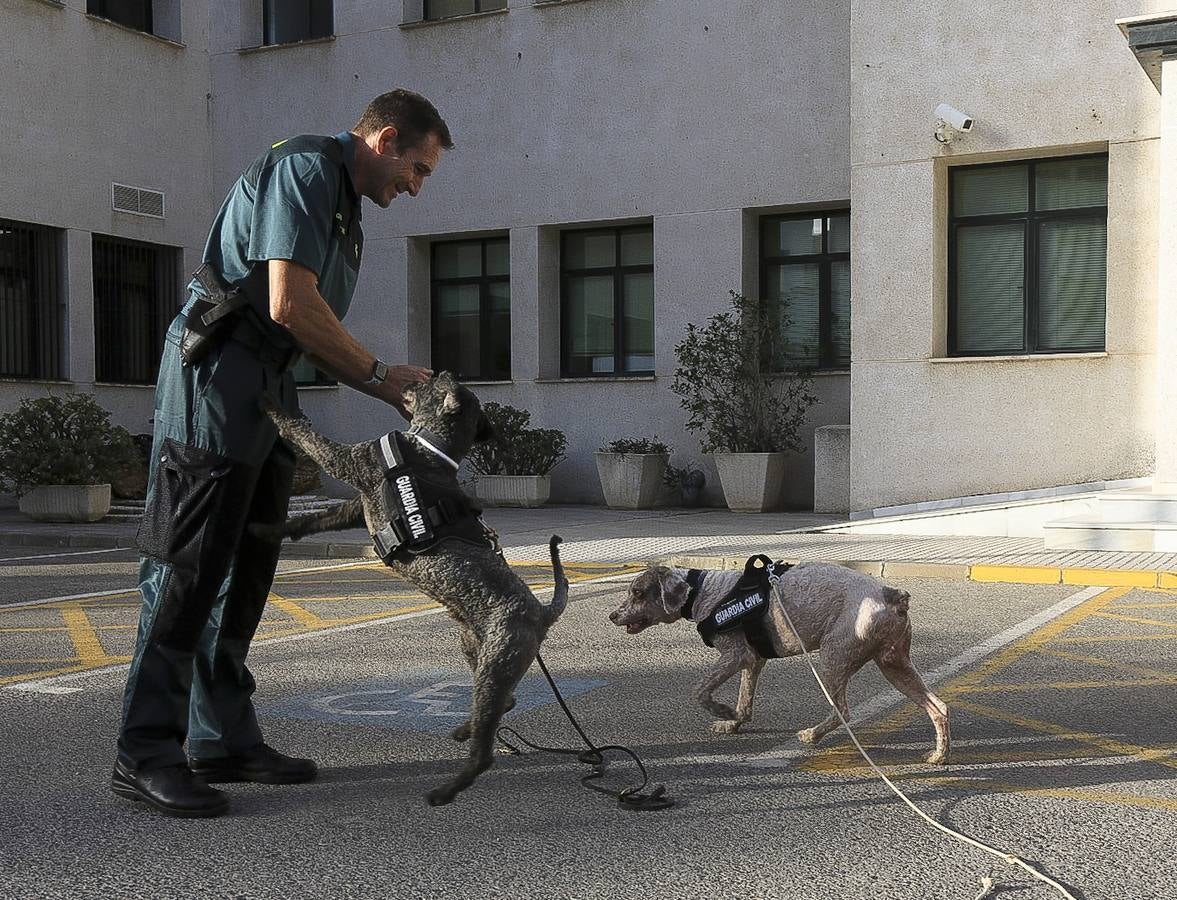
(518, 449)
(635, 445)
(727, 383)
(62, 440)
(689, 476)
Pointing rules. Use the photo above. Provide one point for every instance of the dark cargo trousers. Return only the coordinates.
(217, 464)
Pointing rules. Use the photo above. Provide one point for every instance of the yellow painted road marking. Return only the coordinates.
(1031, 642)
(1102, 639)
(1160, 755)
(1099, 661)
(1019, 574)
(296, 612)
(998, 787)
(1136, 620)
(1031, 686)
(85, 638)
(1111, 577)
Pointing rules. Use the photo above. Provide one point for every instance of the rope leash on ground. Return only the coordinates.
(987, 884)
(632, 798)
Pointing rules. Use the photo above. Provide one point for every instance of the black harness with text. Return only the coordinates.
(744, 607)
(422, 512)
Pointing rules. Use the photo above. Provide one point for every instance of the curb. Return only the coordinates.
(1145, 578)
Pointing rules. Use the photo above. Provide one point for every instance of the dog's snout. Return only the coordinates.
(614, 616)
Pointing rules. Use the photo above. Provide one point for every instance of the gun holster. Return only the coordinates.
(212, 316)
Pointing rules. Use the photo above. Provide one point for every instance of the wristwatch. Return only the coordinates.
(379, 373)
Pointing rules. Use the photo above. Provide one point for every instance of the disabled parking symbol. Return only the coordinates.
(422, 700)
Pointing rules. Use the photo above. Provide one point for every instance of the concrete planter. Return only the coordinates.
(66, 502)
(631, 480)
(751, 481)
(513, 490)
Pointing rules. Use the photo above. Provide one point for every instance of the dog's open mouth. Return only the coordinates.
(635, 627)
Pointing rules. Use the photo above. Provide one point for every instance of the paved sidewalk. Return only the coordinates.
(706, 538)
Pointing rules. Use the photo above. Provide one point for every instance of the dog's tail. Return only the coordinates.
(560, 597)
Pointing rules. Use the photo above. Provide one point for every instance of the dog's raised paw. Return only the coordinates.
(461, 733)
(937, 758)
(725, 726)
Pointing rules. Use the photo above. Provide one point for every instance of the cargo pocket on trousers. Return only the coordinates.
(188, 492)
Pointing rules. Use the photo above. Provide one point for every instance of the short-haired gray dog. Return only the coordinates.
(502, 623)
(850, 616)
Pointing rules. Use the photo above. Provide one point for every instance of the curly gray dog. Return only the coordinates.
(502, 623)
(850, 616)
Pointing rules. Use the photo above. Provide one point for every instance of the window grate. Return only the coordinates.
(136, 295)
(32, 302)
(136, 201)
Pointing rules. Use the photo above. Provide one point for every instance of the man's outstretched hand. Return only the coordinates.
(399, 378)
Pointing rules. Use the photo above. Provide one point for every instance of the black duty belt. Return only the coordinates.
(271, 354)
(421, 512)
(745, 606)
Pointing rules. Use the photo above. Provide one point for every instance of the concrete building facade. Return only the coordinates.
(695, 119)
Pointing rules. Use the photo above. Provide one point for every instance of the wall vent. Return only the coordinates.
(137, 201)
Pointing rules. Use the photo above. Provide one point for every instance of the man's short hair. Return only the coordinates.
(410, 114)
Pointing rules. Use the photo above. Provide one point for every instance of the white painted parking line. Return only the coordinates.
(8, 559)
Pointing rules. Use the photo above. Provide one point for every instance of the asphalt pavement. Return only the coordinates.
(1060, 695)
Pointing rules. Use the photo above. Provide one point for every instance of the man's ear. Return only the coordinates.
(386, 142)
(485, 431)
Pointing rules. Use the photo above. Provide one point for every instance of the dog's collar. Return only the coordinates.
(432, 443)
(695, 581)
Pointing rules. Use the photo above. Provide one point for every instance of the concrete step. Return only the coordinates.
(301, 505)
(1137, 506)
(1100, 533)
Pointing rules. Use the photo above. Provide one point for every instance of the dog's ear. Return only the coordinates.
(672, 591)
(486, 431)
(409, 396)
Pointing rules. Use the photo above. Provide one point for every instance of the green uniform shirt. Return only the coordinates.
(286, 206)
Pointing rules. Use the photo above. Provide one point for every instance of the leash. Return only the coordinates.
(987, 885)
(632, 798)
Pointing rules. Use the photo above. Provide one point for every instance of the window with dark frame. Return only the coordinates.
(471, 302)
(291, 21)
(1027, 257)
(607, 301)
(131, 13)
(447, 9)
(136, 296)
(805, 281)
(32, 302)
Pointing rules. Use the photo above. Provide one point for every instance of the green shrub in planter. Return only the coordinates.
(518, 449)
(635, 445)
(62, 440)
(734, 384)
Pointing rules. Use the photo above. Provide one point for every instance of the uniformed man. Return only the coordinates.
(280, 268)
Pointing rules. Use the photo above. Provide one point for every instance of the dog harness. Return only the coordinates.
(744, 607)
(422, 512)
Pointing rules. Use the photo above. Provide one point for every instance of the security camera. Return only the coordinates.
(950, 120)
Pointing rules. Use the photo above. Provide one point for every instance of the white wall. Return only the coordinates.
(83, 103)
(925, 428)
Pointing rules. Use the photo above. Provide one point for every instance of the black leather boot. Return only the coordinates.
(173, 790)
(262, 765)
